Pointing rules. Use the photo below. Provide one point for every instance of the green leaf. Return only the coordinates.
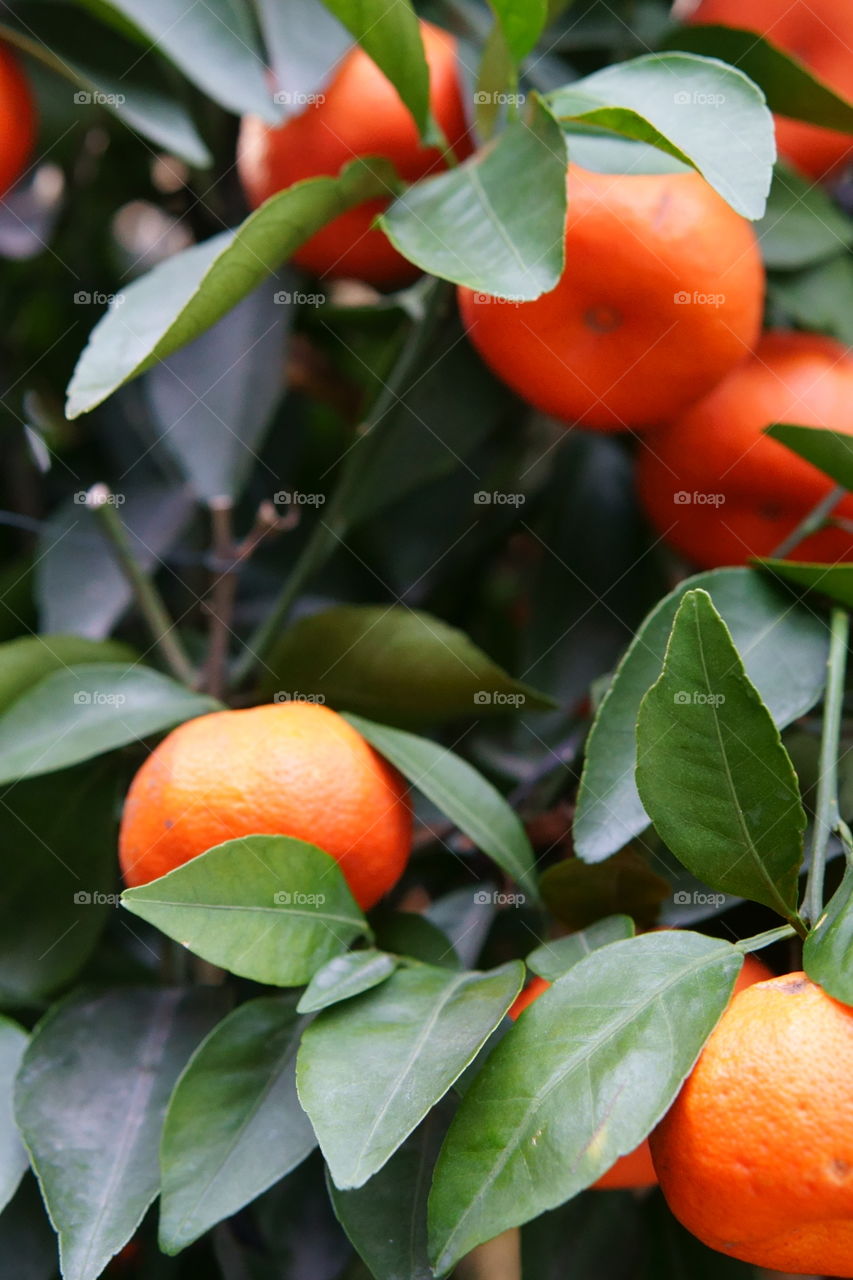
(268, 908)
(110, 74)
(90, 1099)
(234, 1124)
(58, 851)
(346, 976)
(214, 44)
(580, 894)
(819, 298)
(469, 226)
(830, 451)
(790, 88)
(522, 22)
(462, 794)
(531, 1131)
(784, 650)
(409, 934)
(25, 661)
(554, 958)
(828, 950)
(390, 34)
(711, 768)
(832, 580)
(802, 225)
(369, 1071)
(189, 292)
(73, 715)
(385, 1219)
(393, 663)
(13, 1157)
(698, 110)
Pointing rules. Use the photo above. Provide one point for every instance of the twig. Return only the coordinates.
(826, 806)
(100, 501)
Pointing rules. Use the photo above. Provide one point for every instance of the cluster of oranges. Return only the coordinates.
(655, 326)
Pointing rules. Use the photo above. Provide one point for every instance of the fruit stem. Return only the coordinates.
(100, 501)
(327, 534)
(811, 523)
(826, 808)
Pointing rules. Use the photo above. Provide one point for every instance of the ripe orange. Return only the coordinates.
(755, 1157)
(295, 769)
(635, 1169)
(17, 120)
(718, 490)
(662, 294)
(818, 33)
(358, 114)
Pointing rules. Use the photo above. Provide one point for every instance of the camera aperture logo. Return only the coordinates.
(284, 898)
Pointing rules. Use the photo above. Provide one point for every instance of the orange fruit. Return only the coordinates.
(661, 296)
(635, 1169)
(17, 120)
(818, 33)
(294, 769)
(718, 490)
(359, 113)
(755, 1156)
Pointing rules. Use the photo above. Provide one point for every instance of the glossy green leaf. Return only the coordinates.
(698, 110)
(58, 858)
(395, 664)
(234, 1124)
(469, 226)
(711, 768)
(214, 44)
(268, 908)
(828, 950)
(13, 1157)
(189, 292)
(521, 22)
(554, 958)
(73, 715)
(410, 934)
(346, 976)
(90, 1099)
(784, 650)
(580, 894)
(390, 35)
(368, 1071)
(25, 661)
(832, 580)
(461, 793)
(531, 1132)
(790, 88)
(830, 451)
(109, 75)
(386, 1219)
(802, 225)
(304, 43)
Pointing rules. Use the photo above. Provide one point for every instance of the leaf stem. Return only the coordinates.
(320, 544)
(810, 523)
(826, 807)
(99, 500)
(759, 940)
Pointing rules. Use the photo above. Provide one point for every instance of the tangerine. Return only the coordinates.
(17, 119)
